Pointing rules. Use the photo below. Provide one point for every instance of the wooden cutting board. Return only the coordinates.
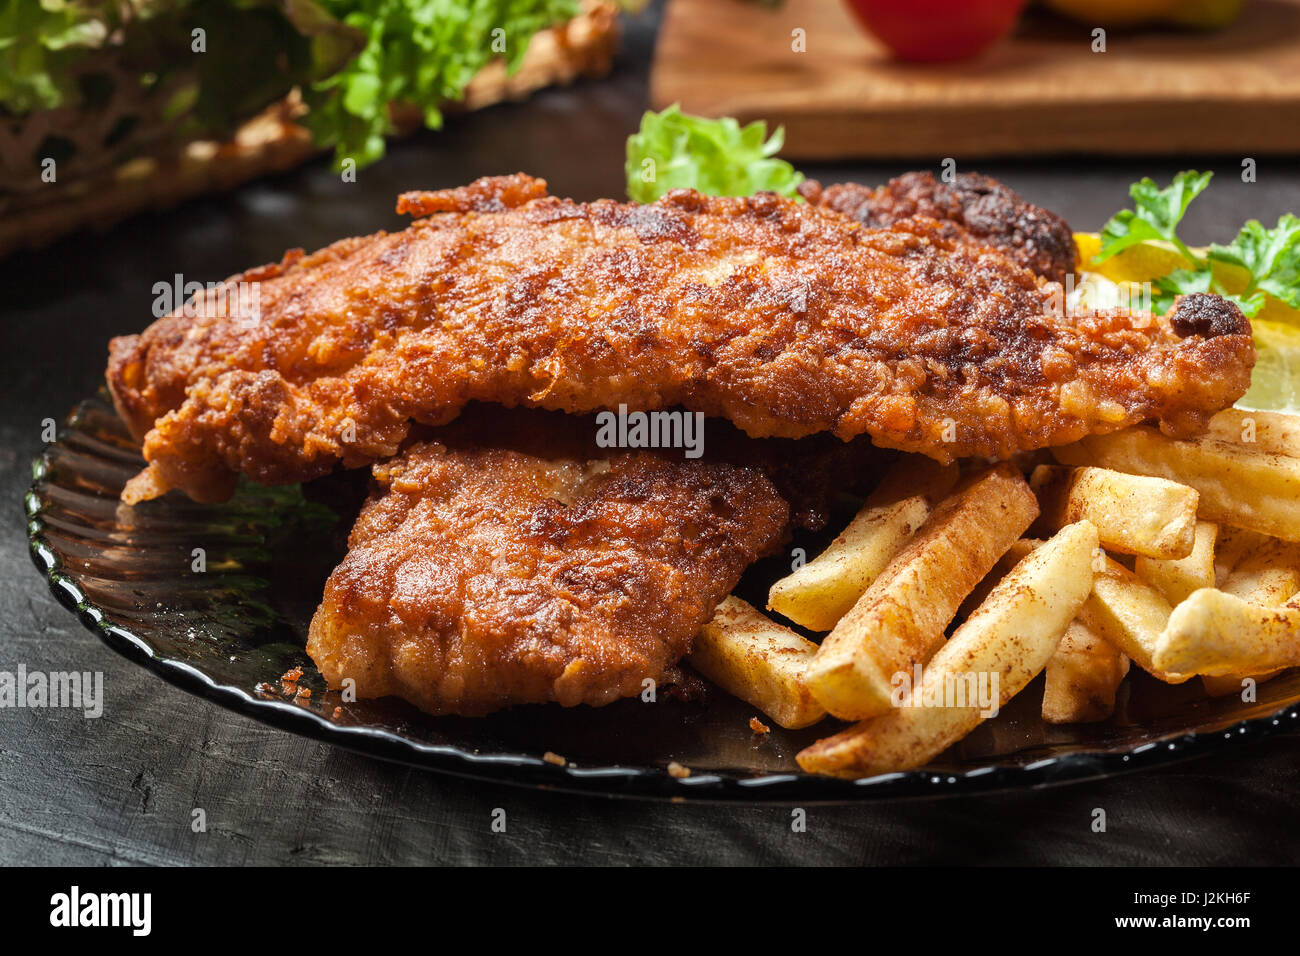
(1042, 90)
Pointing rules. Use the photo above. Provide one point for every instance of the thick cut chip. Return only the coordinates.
(1268, 577)
(1176, 578)
(1133, 514)
(1011, 638)
(900, 619)
(1275, 432)
(759, 661)
(1231, 546)
(821, 592)
(1082, 677)
(1219, 634)
(1239, 484)
(1130, 614)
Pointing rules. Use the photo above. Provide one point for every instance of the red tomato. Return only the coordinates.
(933, 31)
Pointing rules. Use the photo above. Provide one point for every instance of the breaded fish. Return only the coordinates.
(783, 317)
(988, 211)
(481, 577)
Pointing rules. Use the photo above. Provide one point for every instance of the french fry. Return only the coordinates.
(821, 592)
(1231, 545)
(900, 618)
(759, 661)
(1082, 677)
(1130, 614)
(1239, 484)
(1133, 514)
(1001, 568)
(915, 475)
(1219, 634)
(1268, 577)
(1176, 578)
(1224, 685)
(1274, 432)
(1012, 635)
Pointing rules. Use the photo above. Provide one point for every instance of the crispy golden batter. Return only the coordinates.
(481, 577)
(783, 317)
(988, 211)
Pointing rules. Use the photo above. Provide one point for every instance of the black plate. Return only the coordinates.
(230, 632)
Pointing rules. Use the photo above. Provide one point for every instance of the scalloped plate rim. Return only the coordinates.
(519, 769)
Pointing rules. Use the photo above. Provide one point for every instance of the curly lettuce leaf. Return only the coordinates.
(674, 150)
(39, 42)
(420, 53)
(1259, 271)
(255, 52)
(1267, 257)
(352, 59)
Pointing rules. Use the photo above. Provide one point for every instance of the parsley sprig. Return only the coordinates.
(1269, 257)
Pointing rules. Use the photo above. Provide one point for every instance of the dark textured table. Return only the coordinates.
(121, 789)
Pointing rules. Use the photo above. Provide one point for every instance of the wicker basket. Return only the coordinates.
(104, 180)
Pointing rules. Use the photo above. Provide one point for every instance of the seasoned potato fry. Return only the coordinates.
(1220, 634)
(759, 661)
(1012, 635)
(1268, 576)
(915, 475)
(1239, 484)
(900, 618)
(821, 592)
(1015, 554)
(1082, 677)
(1224, 685)
(1274, 432)
(1133, 514)
(1176, 578)
(1231, 545)
(1130, 614)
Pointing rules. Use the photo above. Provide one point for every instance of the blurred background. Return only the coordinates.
(112, 107)
(146, 138)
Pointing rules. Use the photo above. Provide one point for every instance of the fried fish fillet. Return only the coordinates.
(481, 577)
(783, 317)
(988, 211)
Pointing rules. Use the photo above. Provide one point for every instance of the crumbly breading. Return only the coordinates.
(987, 211)
(786, 318)
(481, 577)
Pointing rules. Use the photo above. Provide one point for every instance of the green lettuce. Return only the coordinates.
(419, 53)
(674, 150)
(1270, 257)
(39, 42)
(69, 53)
(350, 58)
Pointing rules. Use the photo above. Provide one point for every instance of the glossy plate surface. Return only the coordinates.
(230, 631)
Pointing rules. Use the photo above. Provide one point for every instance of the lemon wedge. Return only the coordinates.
(1150, 260)
(1275, 383)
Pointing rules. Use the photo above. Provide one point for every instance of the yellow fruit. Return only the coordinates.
(1148, 261)
(1115, 13)
(1140, 263)
(1275, 383)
